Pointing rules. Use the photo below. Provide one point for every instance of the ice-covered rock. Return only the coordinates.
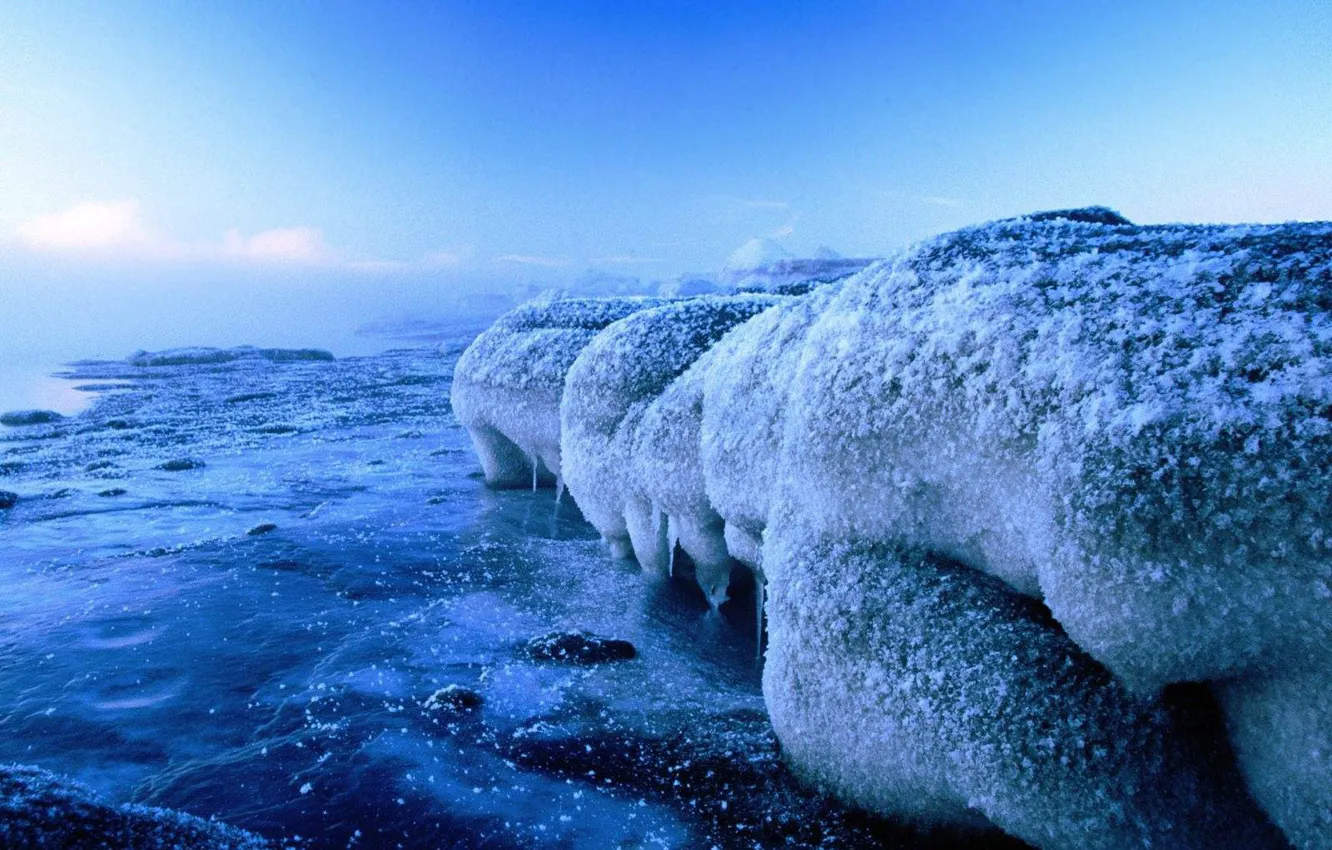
(507, 385)
(1128, 425)
(1124, 421)
(743, 414)
(41, 810)
(927, 690)
(607, 393)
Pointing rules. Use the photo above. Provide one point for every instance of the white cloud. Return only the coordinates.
(624, 260)
(531, 260)
(116, 230)
(285, 246)
(90, 225)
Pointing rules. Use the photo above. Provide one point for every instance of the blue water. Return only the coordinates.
(154, 649)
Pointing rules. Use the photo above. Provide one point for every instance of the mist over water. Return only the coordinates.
(52, 315)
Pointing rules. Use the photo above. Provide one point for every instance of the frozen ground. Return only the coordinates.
(258, 638)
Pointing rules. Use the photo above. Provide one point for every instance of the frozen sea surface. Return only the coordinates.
(154, 648)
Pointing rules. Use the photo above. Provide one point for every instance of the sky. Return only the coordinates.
(163, 164)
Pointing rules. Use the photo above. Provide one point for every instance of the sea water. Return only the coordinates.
(256, 637)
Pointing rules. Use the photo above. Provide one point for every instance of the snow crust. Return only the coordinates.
(507, 385)
(1010, 489)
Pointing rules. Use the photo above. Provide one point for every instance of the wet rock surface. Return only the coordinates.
(579, 648)
(39, 810)
(453, 699)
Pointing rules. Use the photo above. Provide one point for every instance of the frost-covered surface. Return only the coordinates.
(507, 385)
(1130, 425)
(41, 811)
(608, 437)
(1128, 422)
(925, 689)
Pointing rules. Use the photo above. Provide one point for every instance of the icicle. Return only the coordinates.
(760, 591)
(672, 540)
(559, 489)
(535, 464)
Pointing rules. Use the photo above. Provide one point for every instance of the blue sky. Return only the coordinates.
(481, 141)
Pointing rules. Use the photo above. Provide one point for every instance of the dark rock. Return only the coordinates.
(727, 772)
(374, 463)
(119, 424)
(7, 500)
(261, 528)
(103, 388)
(114, 491)
(98, 464)
(41, 810)
(12, 467)
(453, 699)
(181, 464)
(29, 417)
(244, 397)
(579, 648)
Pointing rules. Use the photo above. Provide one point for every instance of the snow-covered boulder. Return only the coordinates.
(1129, 423)
(607, 393)
(507, 385)
(1009, 490)
(928, 691)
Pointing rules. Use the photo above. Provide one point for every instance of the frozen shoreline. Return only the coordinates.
(1113, 422)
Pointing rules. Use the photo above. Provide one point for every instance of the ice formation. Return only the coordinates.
(607, 395)
(1009, 488)
(508, 384)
